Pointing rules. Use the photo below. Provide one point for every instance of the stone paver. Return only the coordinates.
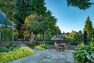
(47, 56)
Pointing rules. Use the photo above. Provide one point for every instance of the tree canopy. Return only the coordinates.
(81, 4)
(38, 6)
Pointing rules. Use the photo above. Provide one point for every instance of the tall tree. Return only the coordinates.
(23, 9)
(88, 27)
(44, 21)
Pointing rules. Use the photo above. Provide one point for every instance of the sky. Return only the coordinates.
(69, 18)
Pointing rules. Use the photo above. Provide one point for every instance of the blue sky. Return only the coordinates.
(69, 18)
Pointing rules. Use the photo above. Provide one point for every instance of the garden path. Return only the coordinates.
(47, 56)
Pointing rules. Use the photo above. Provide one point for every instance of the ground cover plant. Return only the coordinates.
(15, 54)
(41, 47)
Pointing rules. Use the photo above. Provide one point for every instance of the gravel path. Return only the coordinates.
(47, 56)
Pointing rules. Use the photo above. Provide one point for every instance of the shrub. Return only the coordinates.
(26, 33)
(6, 33)
(91, 44)
(7, 48)
(15, 33)
(32, 44)
(41, 47)
(39, 37)
(16, 53)
(84, 54)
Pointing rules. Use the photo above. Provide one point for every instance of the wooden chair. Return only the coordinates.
(58, 47)
(61, 47)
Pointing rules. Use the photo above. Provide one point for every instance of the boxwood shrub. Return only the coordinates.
(16, 53)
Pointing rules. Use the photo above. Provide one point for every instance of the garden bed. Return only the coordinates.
(16, 53)
(84, 54)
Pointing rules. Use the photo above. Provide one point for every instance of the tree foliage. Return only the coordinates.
(42, 21)
(38, 6)
(81, 4)
(23, 9)
(88, 27)
(7, 6)
(32, 13)
(74, 37)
